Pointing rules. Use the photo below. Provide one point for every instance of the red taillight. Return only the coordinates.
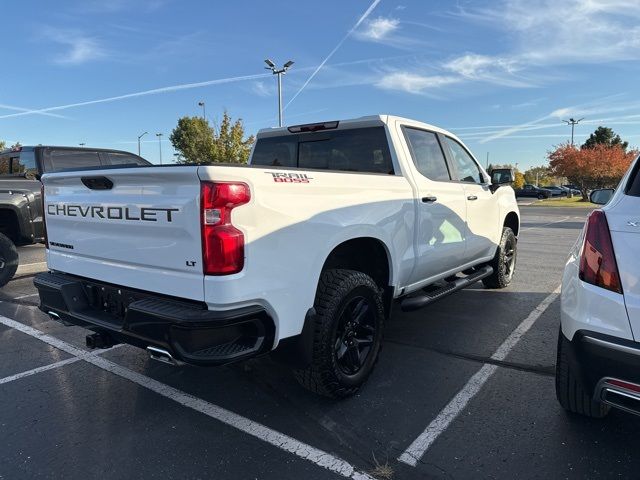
(598, 262)
(44, 217)
(222, 243)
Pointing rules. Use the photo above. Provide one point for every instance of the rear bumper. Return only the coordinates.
(597, 357)
(186, 329)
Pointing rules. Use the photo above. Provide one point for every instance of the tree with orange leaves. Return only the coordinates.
(597, 166)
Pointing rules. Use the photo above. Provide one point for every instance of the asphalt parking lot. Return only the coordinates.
(463, 389)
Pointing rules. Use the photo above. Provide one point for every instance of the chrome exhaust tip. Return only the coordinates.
(620, 394)
(54, 316)
(161, 355)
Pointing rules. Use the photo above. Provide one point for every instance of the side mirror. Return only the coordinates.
(501, 176)
(602, 196)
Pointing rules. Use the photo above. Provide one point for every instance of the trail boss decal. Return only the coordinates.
(142, 214)
(290, 177)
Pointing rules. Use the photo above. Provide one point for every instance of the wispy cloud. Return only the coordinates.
(262, 89)
(498, 70)
(543, 40)
(572, 31)
(77, 48)
(362, 18)
(379, 28)
(600, 106)
(155, 91)
(414, 83)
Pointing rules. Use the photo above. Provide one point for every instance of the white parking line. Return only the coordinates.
(420, 445)
(33, 371)
(546, 224)
(255, 429)
(26, 296)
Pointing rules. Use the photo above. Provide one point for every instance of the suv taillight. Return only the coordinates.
(44, 217)
(222, 243)
(598, 262)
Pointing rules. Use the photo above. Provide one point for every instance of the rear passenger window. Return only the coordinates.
(57, 160)
(363, 150)
(427, 154)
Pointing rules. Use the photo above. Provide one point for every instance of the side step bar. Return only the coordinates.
(422, 300)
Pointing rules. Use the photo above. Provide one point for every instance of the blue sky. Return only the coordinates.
(501, 74)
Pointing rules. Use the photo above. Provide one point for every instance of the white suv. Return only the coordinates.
(599, 344)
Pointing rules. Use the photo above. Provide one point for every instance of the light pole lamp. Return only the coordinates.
(279, 72)
(139, 137)
(573, 123)
(159, 135)
(204, 112)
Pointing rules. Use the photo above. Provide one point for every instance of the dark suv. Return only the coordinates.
(20, 203)
(533, 191)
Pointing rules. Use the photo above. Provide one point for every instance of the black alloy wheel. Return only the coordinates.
(355, 334)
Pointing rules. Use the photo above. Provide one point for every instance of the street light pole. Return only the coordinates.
(139, 137)
(159, 135)
(573, 122)
(279, 72)
(204, 112)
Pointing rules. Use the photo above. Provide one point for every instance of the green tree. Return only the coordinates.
(538, 176)
(193, 140)
(605, 136)
(3, 144)
(230, 146)
(197, 142)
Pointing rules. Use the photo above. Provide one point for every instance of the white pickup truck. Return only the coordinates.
(303, 251)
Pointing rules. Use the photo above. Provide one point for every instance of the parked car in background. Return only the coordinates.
(557, 191)
(20, 201)
(533, 191)
(599, 339)
(575, 190)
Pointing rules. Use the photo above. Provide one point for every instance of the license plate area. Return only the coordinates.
(111, 303)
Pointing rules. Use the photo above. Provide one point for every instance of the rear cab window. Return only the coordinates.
(362, 150)
(55, 160)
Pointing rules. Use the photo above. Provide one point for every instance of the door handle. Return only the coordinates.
(429, 199)
(472, 197)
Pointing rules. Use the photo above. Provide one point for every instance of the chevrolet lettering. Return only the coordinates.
(145, 214)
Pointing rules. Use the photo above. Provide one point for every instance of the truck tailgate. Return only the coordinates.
(136, 227)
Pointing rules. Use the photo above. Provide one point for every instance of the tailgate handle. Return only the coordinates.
(97, 183)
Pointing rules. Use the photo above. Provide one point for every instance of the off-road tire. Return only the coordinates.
(502, 276)
(569, 389)
(8, 259)
(335, 290)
